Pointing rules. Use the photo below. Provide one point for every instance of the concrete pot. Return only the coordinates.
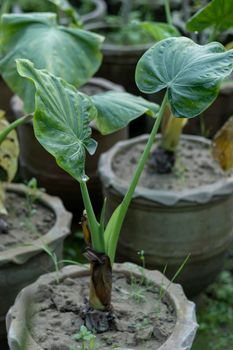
(36, 162)
(169, 225)
(18, 317)
(22, 265)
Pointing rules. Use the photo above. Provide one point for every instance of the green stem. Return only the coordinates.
(96, 237)
(168, 12)
(122, 209)
(144, 157)
(14, 125)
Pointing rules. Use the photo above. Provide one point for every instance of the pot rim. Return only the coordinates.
(181, 338)
(60, 229)
(201, 195)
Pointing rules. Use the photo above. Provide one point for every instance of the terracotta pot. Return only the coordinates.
(23, 264)
(169, 225)
(19, 317)
(38, 163)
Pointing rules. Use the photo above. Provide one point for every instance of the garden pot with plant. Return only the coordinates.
(77, 68)
(144, 318)
(61, 124)
(29, 221)
(183, 203)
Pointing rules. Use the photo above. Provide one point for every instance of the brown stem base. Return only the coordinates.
(98, 321)
(162, 161)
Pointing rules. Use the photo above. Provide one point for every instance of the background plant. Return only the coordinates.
(61, 124)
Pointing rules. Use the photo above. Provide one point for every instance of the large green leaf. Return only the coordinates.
(217, 14)
(61, 119)
(70, 53)
(159, 30)
(192, 73)
(117, 109)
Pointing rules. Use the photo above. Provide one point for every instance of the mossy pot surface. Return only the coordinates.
(18, 317)
(23, 264)
(168, 225)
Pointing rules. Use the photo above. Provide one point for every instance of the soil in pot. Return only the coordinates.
(142, 320)
(194, 167)
(26, 221)
(34, 220)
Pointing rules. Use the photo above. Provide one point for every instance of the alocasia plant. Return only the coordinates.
(190, 75)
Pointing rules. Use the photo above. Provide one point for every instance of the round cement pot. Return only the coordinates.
(22, 265)
(36, 162)
(169, 225)
(19, 316)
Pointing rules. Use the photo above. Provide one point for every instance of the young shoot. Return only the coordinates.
(189, 73)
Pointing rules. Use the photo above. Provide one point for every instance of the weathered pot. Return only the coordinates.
(22, 265)
(169, 225)
(38, 163)
(18, 318)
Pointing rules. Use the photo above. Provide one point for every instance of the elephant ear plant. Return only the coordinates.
(190, 75)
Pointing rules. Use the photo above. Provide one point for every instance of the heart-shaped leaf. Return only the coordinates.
(61, 119)
(117, 109)
(191, 73)
(70, 53)
(217, 14)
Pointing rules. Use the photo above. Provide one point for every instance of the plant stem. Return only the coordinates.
(122, 209)
(14, 125)
(96, 237)
(125, 11)
(168, 12)
(144, 157)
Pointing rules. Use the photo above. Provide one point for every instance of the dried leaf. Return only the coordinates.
(222, 146)
(9, 152)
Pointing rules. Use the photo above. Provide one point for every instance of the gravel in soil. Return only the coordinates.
(141, 321)
(26, 221)
(194, 167)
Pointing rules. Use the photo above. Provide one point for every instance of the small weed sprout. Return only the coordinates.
(32, 195)
(86, 337)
